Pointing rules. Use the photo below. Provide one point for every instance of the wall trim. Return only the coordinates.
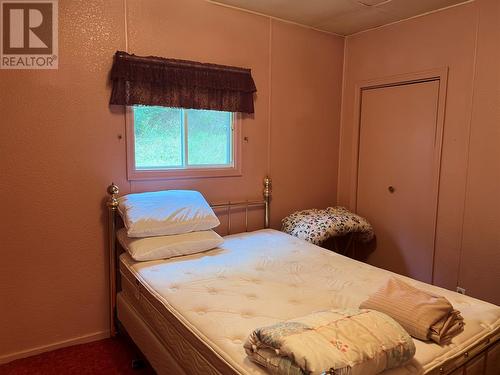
(270, 97)
(468, 144)
(53, 346)
(342, 121)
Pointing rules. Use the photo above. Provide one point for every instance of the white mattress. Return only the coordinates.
(260, 278)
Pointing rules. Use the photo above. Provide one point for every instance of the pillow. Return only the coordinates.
(163, 247)
(166, 212)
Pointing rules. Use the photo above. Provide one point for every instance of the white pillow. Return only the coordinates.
(163, 247)
(166, 212)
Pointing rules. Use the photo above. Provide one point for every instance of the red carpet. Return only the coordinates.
(110, 356)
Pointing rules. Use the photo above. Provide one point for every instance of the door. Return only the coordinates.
(397, 174)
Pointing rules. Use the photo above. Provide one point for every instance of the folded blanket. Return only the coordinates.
(341, 342)
(424, 316)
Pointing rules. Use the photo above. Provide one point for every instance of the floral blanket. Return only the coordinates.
(336, 342)
(317, 226)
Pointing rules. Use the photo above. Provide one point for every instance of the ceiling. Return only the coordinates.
(342, 17)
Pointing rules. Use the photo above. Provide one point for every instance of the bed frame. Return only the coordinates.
(482, 359)
(112, 204)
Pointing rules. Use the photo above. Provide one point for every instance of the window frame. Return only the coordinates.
(185, 172)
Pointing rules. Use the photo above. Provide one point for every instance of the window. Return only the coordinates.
(176, 142)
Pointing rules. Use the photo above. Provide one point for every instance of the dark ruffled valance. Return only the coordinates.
(179, 83)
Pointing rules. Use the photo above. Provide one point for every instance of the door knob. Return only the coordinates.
(391, 189)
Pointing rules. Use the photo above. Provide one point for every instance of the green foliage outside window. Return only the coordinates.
(168, 138)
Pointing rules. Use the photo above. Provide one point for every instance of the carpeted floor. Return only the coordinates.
(109, 356)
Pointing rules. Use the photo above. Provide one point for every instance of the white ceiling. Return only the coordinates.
(342, 17)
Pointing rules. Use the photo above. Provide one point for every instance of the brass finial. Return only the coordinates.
(113, 190)
(268, 187)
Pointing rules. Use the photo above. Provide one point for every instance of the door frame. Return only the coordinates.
(437, 74)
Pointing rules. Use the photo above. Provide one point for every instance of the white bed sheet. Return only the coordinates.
(260, 278)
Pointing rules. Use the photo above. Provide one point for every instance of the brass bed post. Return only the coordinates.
(112, 205)
(267, 200)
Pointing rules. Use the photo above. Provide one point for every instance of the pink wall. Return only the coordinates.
(479, 268)
(467, 248)
(59, 144)
(305, 70)
(59, 148)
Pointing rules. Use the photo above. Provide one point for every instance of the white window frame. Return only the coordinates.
(194, 171)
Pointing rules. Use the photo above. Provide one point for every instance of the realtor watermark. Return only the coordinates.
(29, 31)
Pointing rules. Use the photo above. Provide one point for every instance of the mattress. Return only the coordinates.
(203, 306)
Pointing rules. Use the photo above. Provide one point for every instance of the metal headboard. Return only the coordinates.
(112, 204)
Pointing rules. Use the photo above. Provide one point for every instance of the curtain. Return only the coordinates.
(158, 81)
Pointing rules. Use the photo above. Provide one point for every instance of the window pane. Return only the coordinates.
(209, 137)
(158, 137)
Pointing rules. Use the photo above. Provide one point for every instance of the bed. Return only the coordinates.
(191, 314)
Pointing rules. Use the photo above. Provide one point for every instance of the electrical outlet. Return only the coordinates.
(460, 290)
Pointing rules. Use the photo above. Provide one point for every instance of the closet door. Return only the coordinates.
(397, 174)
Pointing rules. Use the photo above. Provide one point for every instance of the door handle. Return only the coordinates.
(391, 189)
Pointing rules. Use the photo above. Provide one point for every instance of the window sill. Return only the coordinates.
(137, 175)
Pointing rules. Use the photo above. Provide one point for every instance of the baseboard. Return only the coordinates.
(47, 348)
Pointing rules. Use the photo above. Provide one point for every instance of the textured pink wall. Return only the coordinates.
(446, 38)
(59, 145)
(293, 67)
(480, 261)
(59, 148)
(58, 151)
(305, 71)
